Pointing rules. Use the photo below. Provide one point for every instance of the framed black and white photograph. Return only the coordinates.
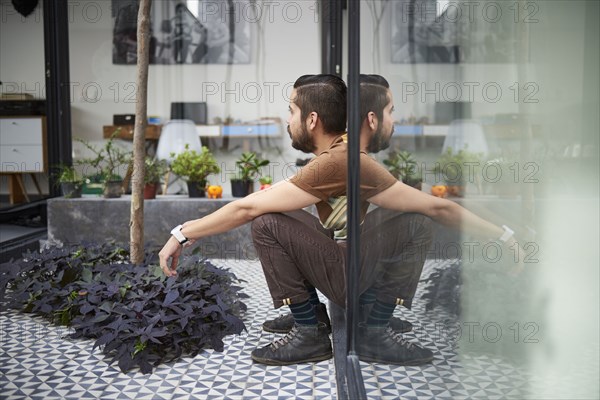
(184, 32)
(450, 32)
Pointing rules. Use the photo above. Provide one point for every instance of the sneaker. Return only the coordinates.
(304, 343)
(397, 324)
(400, 325)
(286, 322)
(383, 345)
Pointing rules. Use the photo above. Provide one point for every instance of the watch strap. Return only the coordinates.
(176, 232)
(508, 233)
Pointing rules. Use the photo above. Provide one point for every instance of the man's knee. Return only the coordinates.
(263, 223)
(419, 223)
(425, 222)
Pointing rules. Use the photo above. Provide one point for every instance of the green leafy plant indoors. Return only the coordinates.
(194, 166)
(68, 174)
(107, 160)
(249, 165)
(454, 166)
(404, 167)
(154, 169)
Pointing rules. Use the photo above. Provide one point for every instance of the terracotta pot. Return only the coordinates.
(456, 190)
(150, 190)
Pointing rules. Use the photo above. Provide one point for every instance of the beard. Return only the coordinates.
(303, 141)
(379, 141)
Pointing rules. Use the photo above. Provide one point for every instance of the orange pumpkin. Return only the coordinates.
(214, 192)
(439, 190)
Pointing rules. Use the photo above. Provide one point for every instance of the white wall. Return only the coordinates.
(21, 51)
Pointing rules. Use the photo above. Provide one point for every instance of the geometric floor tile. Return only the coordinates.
(38, 362)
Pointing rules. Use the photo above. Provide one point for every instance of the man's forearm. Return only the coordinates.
(454, 215)
(224, 219)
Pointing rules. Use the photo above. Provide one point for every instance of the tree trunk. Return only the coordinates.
(139, 146)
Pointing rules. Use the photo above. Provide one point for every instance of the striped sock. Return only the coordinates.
(381, 313)
(304, 313)
(314, 297)
(367, 297)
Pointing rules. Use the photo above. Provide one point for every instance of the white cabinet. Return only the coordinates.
(22, 145)
(22, 151)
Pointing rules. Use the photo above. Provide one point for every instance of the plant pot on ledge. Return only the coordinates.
(150, 190)
(196, 189)
(154, 169)
(195, 167)
(453, 168)
(248, 165)
(71, 190)
(113, 189)
(71, 182)
(108, 162)
(241, 187)
(456, 189)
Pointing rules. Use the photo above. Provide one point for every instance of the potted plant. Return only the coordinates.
(456, 168)
(195, 167)
(154, 169)
(71, 182)
(108, 161)
(265, 182)
(248, 165)
(404, 167)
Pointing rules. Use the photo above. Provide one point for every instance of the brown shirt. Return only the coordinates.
(325, 177)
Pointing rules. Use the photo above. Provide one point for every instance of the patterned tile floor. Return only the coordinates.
(38, 362)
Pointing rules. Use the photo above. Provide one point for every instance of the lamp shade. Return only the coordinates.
(174, 136)
(466, 133)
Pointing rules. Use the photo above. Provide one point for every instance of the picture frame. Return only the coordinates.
(451, 32)
(184, 32)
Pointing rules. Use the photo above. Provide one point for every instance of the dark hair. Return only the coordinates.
(373, 95)
(326, 95)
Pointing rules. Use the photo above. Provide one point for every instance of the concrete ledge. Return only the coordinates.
(96, 219)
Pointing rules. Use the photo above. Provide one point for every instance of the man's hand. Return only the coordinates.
(170, 251)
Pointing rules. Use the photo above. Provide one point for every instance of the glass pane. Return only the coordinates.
(495, 110)
(23, 173)
(217, 63)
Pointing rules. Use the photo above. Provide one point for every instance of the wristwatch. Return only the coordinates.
(176, 232)
(508, 233)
